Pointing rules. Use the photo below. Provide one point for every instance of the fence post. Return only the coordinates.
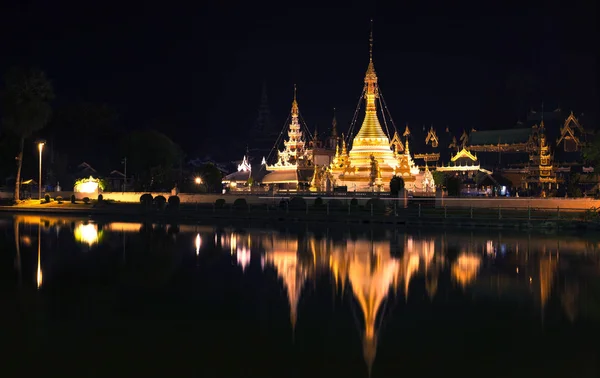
(196, 206)
(348, 207)
(395, 208)
(249, 208)
(287, 207)
(327, 207)
(307, 208)
(214, 207)
(267, 208)
(371, 208)
(471, 211)
(499, 212)
(419, 210)
(558, 212)
(445, 211)
(528, 212)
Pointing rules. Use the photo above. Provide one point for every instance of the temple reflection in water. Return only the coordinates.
(370, 272)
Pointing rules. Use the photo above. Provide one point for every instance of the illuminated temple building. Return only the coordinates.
(295, 164)
(245, 177)
(372, 159)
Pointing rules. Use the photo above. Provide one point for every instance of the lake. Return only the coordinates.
(97, 298)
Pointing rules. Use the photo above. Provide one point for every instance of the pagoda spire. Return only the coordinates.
(371, 43)
(334, 126)
(295, 104)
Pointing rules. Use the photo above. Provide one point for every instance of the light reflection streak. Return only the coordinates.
(39, 257)
(198, 243)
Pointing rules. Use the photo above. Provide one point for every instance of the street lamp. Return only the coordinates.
(41, 148)
(198, 180)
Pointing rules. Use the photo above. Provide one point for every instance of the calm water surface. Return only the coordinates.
(87, 298)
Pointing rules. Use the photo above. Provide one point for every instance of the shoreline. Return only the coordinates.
(405, 217)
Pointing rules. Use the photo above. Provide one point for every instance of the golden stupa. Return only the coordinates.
(371, 162)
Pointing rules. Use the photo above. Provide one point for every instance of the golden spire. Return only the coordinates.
(294, 104)
(371, 128)
(371, 43)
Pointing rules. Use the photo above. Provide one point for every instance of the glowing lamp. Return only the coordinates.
(89, 185)
(198, 180)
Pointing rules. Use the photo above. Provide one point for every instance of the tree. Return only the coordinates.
(573, 189)
(212, 177)
(453, 185)
(151, 157)
(396, 185)
(591, 153)
(439, 178)
(26, 108)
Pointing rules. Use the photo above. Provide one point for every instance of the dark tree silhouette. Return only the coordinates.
(26, 108)
(152, 157)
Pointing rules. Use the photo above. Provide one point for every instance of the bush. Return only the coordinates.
(378, 205)
(73, 199)
(318, 202)
(160, 202)
(100, 197)
(86, 200)
(47, 198)
(146, 199)
(220, 203)
(283, 204)
(354, 202)
(58, 199)
(297, 203)
(174, 202)
(240, 204)
(396, 185)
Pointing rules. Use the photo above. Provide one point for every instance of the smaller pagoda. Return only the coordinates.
(284, 174)
(543, 172)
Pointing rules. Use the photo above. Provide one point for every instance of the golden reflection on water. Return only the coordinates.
(87, 233)
(376, 271)
(39, 259)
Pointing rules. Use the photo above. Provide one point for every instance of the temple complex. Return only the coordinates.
(539, 157)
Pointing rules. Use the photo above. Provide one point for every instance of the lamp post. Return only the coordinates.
(124, 161)
(41, 148)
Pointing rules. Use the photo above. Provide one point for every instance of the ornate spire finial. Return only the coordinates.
(295, 104)
(371, 43)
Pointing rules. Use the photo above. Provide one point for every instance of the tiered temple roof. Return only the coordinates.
(292, 157)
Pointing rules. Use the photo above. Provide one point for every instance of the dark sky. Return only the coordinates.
(199, 68)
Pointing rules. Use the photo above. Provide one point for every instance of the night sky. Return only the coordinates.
(196, 71)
